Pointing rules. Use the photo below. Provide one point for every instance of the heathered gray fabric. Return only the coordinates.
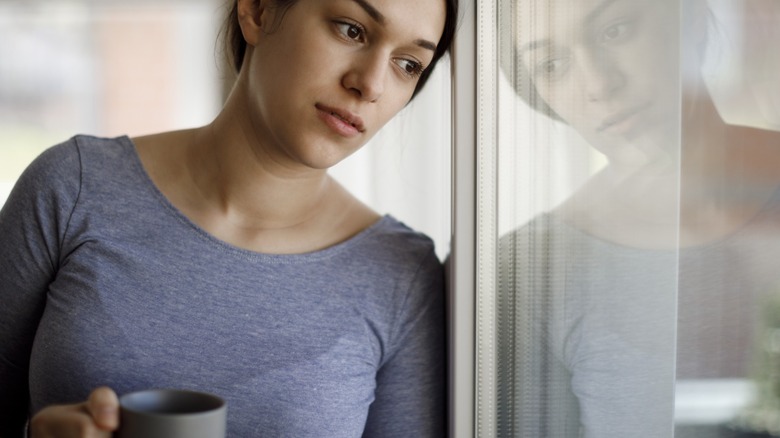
(588, 328)
(593, 335)
(103, 282)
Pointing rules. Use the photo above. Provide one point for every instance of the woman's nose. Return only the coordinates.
(366, 77)
(601, 77)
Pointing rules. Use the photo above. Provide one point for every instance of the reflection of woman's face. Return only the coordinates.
(607, 67)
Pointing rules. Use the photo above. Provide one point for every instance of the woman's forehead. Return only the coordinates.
(564, 20)
(559, 9)
(544, 19)
(420, 19)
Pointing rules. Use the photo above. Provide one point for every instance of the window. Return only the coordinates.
(628, 197)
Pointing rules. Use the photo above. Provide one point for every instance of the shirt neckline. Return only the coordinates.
(330, 251)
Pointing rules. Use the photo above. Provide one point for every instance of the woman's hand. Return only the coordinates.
(95, 418)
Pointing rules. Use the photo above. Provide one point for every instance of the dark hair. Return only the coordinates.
(236, 46)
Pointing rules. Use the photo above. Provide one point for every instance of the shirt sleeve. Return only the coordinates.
(33, 222)
(411, 383)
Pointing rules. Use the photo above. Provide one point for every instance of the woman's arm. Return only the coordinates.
(411, 383)
(32, 223)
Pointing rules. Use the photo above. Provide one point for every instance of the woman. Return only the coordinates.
(655, 270)
(225, 259)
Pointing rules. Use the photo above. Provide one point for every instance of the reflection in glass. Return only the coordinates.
(638, 194)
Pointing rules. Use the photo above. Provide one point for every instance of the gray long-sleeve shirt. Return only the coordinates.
(104, 282)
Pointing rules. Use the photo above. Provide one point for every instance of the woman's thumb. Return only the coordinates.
(103, 405)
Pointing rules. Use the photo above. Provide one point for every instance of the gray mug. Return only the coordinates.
(171, 413)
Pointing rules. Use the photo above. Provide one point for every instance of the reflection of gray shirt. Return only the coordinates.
(592, 337)
(103, 282)
(591, 320)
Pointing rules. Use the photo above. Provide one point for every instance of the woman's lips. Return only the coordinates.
(624, 120)
(340, 120)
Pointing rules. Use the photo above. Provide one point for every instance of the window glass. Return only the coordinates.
(634, 222)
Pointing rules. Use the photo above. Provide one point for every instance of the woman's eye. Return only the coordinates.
(614, 32)
(411, 68)
(350, 31)
(551, 68)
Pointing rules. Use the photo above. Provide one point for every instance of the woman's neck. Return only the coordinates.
(236, 176)
(221, 178)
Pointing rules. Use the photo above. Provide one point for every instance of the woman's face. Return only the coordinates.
(328, 74)
(609, 68)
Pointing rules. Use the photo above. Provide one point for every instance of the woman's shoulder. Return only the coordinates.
(538, 229)
(397, 237)
(65, 161)
(93, 145)
(54, 183)
(365, 231)
(81, 153)
(390, 248)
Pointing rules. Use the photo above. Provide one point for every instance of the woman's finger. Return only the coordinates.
(66, 421)
(103, 405)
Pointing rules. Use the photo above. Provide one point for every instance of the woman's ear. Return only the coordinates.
(253, 19)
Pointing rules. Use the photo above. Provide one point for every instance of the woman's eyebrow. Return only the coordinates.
(371, 11)
(589, 18)
(379, 18)
(425, 44)
(533, 45)
(598, 10)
